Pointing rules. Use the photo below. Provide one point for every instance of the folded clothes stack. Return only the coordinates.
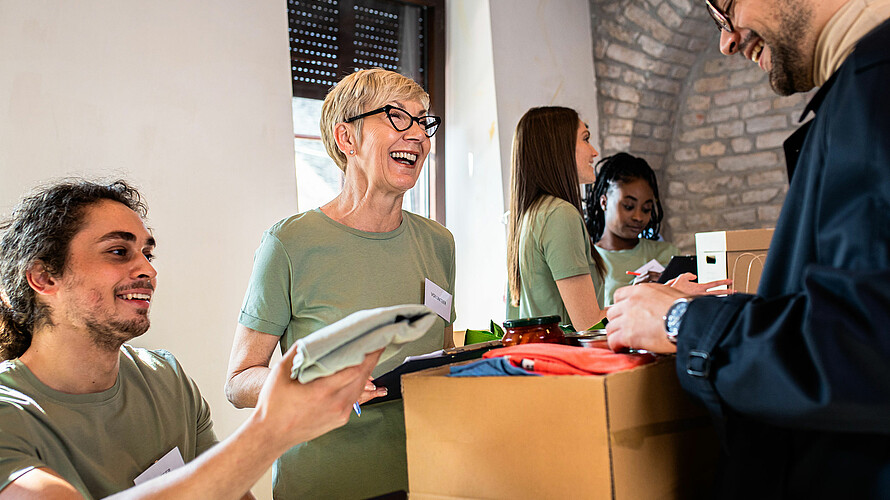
(551, 359)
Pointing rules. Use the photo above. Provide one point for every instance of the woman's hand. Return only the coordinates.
(371, 391)
(685, 284)
(649, 277)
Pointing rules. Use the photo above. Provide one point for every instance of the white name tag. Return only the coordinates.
(172, 460)
(437, 299)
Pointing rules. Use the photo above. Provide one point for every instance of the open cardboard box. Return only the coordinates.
(628, 435)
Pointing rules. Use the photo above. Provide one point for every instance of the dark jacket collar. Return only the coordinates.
(870, 49)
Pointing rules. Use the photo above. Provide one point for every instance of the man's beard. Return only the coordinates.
(790, 70)
(112, 334)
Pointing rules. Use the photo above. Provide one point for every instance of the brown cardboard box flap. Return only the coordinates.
(554, 436)
(749, 239)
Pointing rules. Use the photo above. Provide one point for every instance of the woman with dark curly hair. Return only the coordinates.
(624, 219)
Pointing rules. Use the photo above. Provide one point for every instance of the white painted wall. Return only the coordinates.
(190, 101)
(474, 201)
(543, 56)
(504, 57)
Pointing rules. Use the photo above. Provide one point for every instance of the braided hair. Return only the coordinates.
(620, 168)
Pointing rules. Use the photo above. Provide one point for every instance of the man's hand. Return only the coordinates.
(300, 412)
(636, 319)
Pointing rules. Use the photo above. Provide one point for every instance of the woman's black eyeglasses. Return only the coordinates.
(720, 17)
(401, 120)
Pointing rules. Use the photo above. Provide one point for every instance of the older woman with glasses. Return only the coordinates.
(358, 251)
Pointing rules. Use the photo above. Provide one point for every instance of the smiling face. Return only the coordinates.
(584, 155)
(391, 161)
(628, 208)
(779, 36)
(108, 282)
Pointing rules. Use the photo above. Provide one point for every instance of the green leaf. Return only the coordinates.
(599, 326)
(567, 328)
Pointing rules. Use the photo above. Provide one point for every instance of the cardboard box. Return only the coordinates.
(628, 435)
(738, 255)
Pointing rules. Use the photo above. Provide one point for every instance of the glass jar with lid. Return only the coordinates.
(529, 330)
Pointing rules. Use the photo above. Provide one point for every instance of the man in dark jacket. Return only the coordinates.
(796, 375)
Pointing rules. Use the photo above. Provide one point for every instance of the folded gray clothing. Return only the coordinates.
(346, 342)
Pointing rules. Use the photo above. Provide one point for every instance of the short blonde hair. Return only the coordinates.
(359, 92)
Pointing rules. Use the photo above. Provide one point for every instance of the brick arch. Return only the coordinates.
(709, 125)
(643, 54)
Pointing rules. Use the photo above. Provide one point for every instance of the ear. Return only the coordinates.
(344, 136)
(603, 202)
(41, 280)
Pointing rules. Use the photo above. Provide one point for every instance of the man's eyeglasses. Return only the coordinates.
(401, 120)
(720, 17)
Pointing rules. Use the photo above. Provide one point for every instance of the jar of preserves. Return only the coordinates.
(529, 330)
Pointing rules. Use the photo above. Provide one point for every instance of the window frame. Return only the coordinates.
(436, 90)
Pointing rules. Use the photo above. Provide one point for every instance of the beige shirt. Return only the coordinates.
(850, 23)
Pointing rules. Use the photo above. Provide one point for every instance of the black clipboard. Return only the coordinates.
(678, 265)
(392, 379)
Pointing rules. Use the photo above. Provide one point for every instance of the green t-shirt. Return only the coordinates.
(311, 271)
(618, 262)
(553, 245)
(100, 442)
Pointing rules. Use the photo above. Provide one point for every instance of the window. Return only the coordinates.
(330, 39)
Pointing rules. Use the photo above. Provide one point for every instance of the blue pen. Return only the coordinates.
(357, 408)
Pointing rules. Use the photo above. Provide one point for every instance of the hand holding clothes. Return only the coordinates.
(346, 342)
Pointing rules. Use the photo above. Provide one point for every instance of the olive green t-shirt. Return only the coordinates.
(553, 245)
(310, 271)
(101, 442)
(618, 262)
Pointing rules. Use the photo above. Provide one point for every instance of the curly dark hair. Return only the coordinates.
(620, 168)
(40, 229)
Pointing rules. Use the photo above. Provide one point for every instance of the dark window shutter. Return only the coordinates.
(314, 32)
(332, 38)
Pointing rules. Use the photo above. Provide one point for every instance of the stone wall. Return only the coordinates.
(708, 124)
(643, 54)
(726, 168)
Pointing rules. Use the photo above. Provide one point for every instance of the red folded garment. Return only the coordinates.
(557, 359)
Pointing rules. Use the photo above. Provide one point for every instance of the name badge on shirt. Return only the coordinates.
(172, 460)
(437, 299)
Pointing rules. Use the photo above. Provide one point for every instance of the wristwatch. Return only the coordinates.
(673, 317)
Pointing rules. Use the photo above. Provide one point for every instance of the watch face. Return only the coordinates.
(674, 315)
